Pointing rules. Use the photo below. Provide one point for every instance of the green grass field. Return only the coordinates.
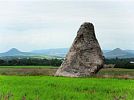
(60, 88)
(33, 83)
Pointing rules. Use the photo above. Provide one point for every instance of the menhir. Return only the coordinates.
(85, 57)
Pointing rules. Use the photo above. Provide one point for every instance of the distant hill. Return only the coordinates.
(61, 52)
(118, 53)
(15, 52)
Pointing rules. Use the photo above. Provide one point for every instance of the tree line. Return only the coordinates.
(121, 62)
(31, 61)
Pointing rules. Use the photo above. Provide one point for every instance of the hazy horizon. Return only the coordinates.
(59, 48)
(44, 24)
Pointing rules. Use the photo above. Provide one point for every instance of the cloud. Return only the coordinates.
(39, 24)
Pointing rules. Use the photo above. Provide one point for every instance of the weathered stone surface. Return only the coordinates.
(85, 57)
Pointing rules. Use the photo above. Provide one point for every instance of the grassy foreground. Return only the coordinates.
(60, 88)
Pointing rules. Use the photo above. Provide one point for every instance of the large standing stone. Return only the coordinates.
(85, 57)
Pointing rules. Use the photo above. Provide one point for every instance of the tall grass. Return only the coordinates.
(60, 88)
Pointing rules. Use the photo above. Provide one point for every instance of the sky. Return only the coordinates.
(43, 24)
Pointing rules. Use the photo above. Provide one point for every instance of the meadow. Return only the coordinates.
(28, 67)
(27, 70)
(39, 83)
(61, 88)
(50, 70)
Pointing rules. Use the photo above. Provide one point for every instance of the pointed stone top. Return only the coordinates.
(87, 25)
(86, 28)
